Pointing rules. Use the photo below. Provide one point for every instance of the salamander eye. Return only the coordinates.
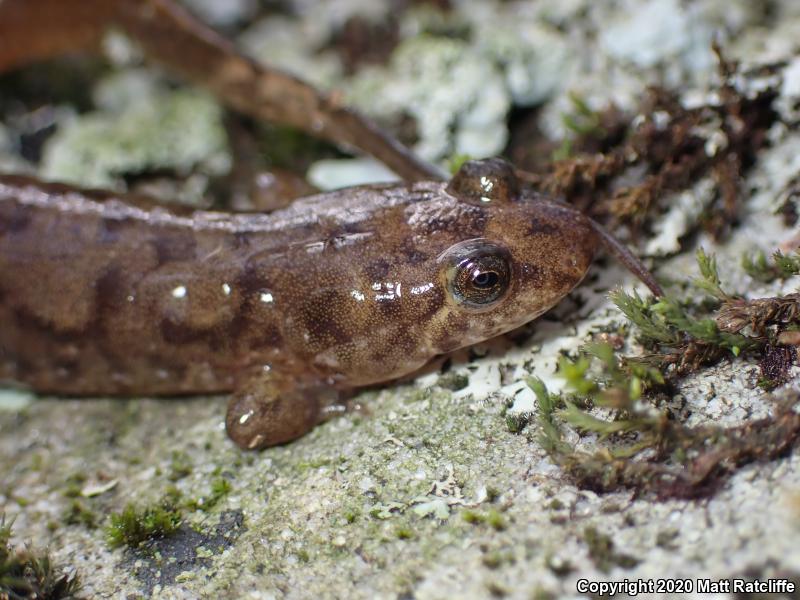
(478, 274)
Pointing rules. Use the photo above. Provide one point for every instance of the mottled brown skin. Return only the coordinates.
(340, 290)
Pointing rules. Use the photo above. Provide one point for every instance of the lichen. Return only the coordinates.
(154, 129)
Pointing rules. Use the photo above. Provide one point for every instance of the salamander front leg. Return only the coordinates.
(272, 408)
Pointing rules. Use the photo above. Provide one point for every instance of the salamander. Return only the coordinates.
(110, 294)
(101, 295)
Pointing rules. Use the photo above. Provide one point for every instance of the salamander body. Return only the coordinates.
(102, 295)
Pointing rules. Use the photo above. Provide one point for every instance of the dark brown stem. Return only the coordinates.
(36, 29)
(622, 254)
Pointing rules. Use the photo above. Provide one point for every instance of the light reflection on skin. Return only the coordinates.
(391, 290)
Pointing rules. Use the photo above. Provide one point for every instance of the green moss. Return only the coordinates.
(220, 487)
(453, 381)
(77, 513)
(495, 520)
(351, 515)
(404, 533)
(303, 555)
(580, 122)
(472, 517)
(456, 161)
(602, 551)
(134, 526)
(760, 268)
(73, 485)
(492, 493)
(180, 466)
(516, 422)
(28, 574)
(492, 517)
(494, 559)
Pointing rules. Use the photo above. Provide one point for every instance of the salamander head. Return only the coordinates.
(430, 268)
(518, 255)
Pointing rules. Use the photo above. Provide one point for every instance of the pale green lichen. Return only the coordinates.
(157, 129)
(462, 113)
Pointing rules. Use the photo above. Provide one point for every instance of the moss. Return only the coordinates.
(77, 513)
(404, 533)
(685, 334)
(453, 381)
(494, 559)
(516, 422)
(220, 487)
(602, 551)
(492, 493)
(303, 555)
(580, 122)
(495, 520)
(614, 399)
(472, 517)
(761, 269)
(28, 574)
(73, 485)
(134, 526)
(351, 515)
(180, 466)
(456, 161)
(492, 517)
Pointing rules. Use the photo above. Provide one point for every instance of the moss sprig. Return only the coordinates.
(782, 266)
(27, 574)
(134, 525)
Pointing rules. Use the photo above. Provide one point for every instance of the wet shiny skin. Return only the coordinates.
(287, 310)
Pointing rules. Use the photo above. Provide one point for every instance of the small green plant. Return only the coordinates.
(581, 122)
(685, 334)
(782, 266)
(134, 526)
(77, 513)
(180, 466)
(603, 553)
(220, 487)
(26, 574)
(456, 161)
(616, 399)
(615, 388)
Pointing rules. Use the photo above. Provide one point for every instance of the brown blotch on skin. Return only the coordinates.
(180, 245)
(540, 227)
(378, 270)
(179, 334)
(17, 221)
(321, 318)
(109, 231)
